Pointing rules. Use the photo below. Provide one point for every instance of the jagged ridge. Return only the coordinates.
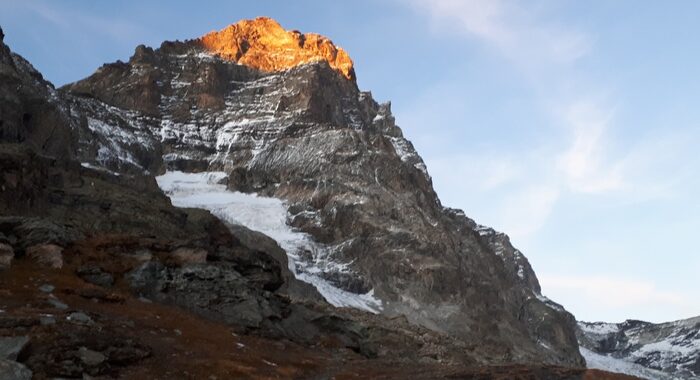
(262, 43)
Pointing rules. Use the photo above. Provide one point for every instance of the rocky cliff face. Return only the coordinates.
(286, 120)
(263, 44)
(658, 351)
(87, 252)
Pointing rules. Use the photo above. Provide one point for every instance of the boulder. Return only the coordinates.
(38, 231)
(49, 255)
(95, 275)
(184, 256)
(80, 318)
(12, 346)
(216, 291)
(11, 370)
(6, 255)
(91, 358)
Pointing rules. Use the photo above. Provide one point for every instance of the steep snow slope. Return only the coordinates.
(266, 215)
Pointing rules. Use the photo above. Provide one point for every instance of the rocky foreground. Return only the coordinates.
(103, 277)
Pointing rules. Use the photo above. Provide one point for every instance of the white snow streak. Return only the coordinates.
(266, 215)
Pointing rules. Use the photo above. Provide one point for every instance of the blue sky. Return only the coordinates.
(570, 125)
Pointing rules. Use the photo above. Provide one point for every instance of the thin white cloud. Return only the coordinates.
(516, 33)
(546, 52)
(583, 164)
(618, 297)
(525, 211)
(86, 23)
(485, 172)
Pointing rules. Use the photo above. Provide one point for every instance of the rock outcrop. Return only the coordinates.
(263, 44)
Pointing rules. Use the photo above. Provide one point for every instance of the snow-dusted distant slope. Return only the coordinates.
(670, 350)
(269, 216)
(609, 363)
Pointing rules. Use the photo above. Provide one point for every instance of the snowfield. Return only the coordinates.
(668, 350)
(263, 214)
(607, 363)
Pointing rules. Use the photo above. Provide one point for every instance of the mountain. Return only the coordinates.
(657, 351)
(297, 128)
(239, 191)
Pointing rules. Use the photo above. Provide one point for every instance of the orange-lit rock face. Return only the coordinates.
(263, 44)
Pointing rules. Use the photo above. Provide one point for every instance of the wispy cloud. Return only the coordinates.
(583, 164)
(581, 157)
(86, 23)
(525, 211)
(628, 298)
(515, 32)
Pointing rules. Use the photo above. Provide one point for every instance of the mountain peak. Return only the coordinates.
(264, 44)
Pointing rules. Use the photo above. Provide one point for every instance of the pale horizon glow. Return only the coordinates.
(571, 127)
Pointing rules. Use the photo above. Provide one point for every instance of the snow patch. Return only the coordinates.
(608, 363)
(599, 328)
(551, 304)
(100, 168)
(266, 215)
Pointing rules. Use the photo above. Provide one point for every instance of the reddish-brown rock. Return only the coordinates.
(49, 255)
(189, 255)
(262, 43)
(6, 255)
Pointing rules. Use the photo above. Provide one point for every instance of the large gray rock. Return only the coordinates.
(49, 255)
(217, 291)
(12, 346)
(11, 370)
(95, 275)
(91, 358)
(295, 289)
(6, 255)
(185, 255)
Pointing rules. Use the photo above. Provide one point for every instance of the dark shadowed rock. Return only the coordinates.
(12, 346)
(56, 303)
(75, 351)
(10, 321)
(6, 255)
(49, 255)
(217, 291)
(11, 370)
(95, 275)
(185, 256)
(295, 289)
(91, 358)
(80, 318)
